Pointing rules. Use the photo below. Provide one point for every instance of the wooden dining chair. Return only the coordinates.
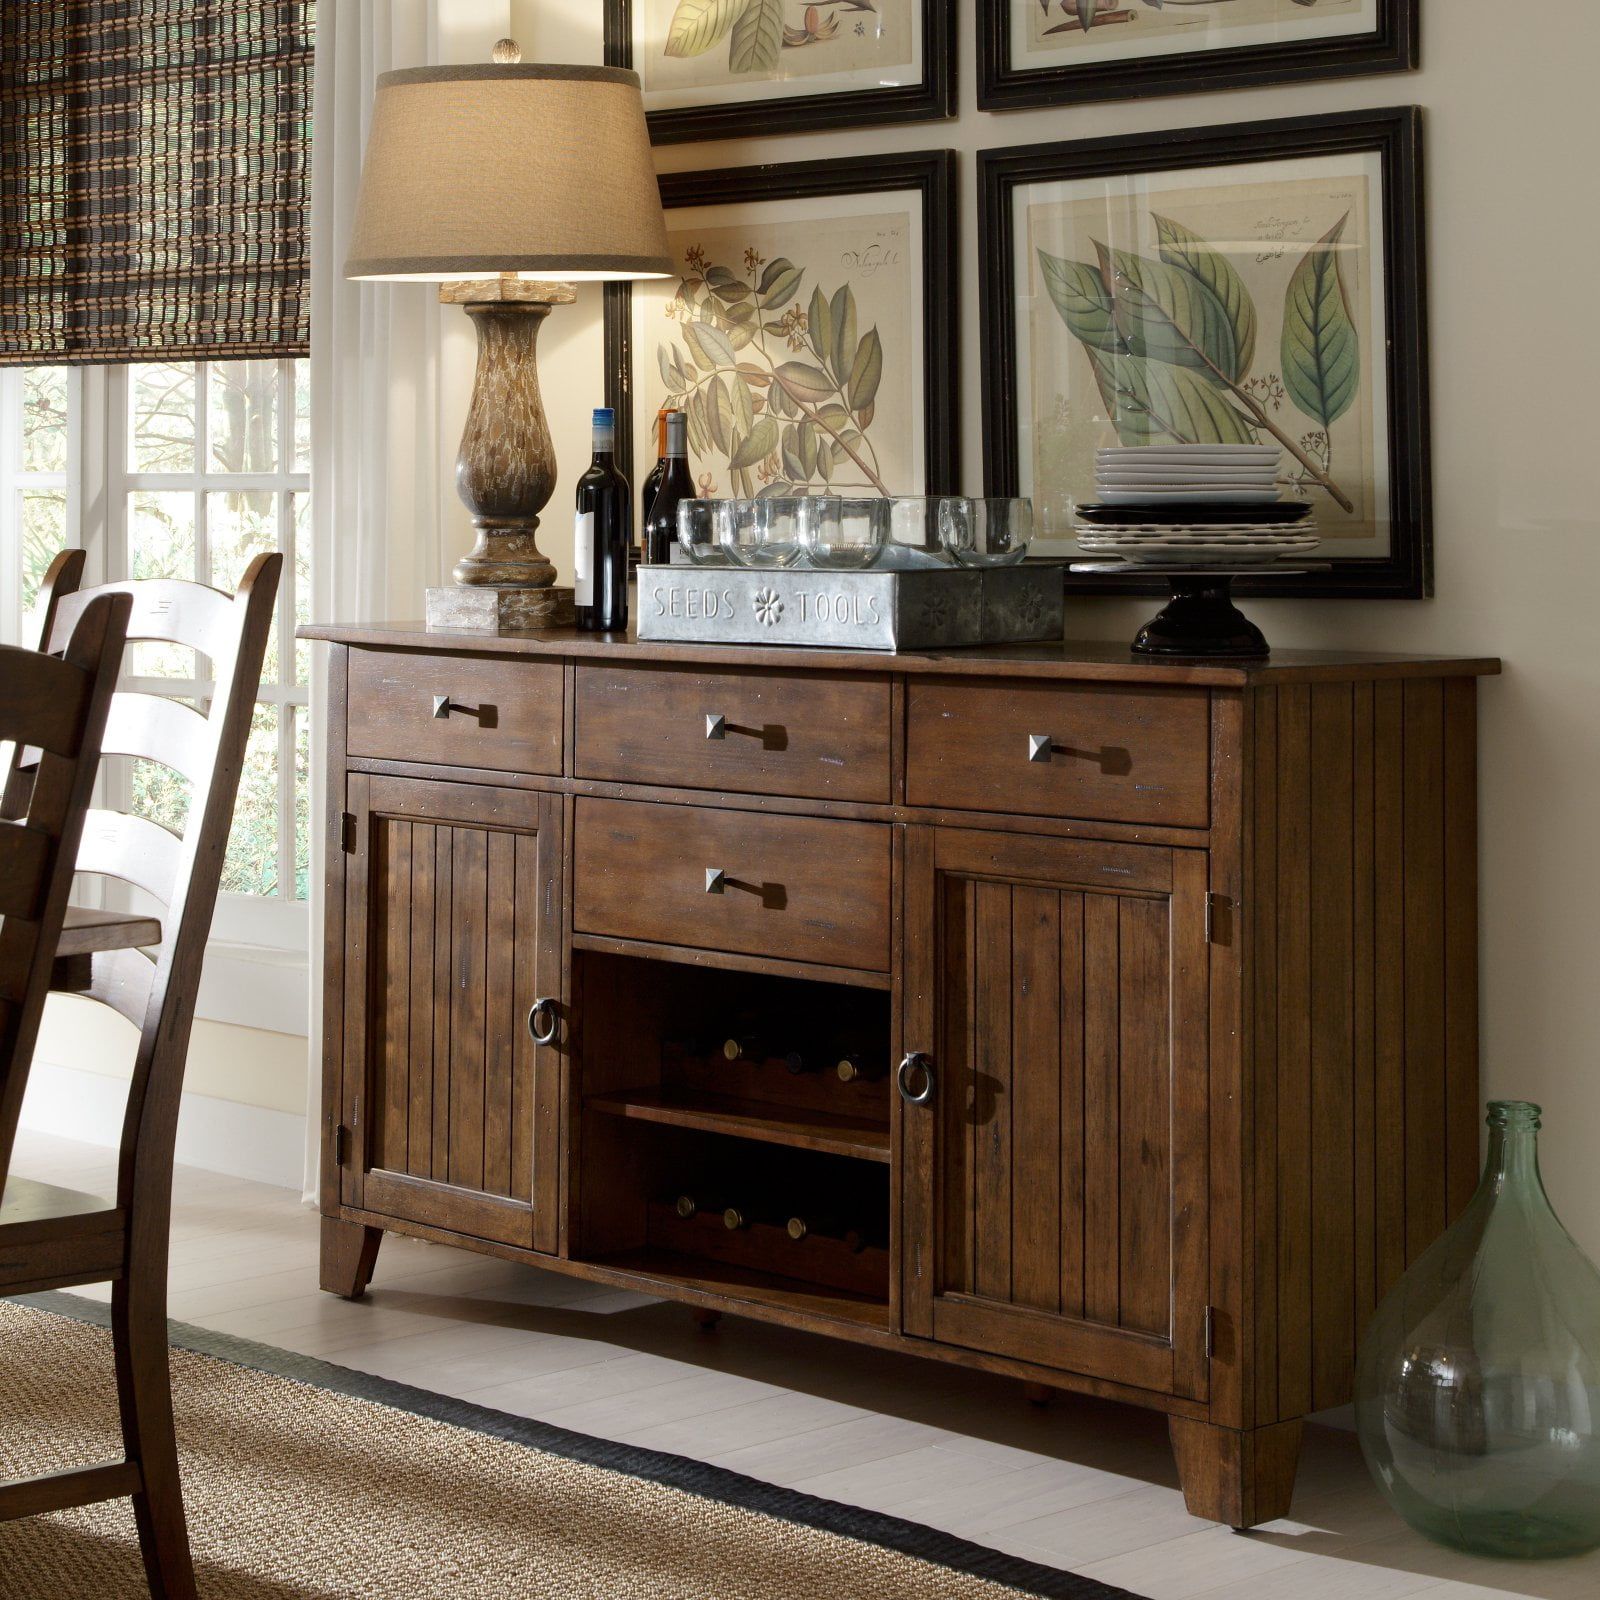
(51, 1238)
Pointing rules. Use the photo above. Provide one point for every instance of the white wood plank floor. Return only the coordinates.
(1079, 1484)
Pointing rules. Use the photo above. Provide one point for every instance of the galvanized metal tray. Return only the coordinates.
(935, 608)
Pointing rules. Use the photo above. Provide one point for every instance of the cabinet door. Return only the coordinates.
(453, 928)
(1054, 1207)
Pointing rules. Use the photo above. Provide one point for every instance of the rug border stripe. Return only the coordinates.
(699, 1478)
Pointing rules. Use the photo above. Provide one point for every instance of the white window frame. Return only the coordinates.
(257, 963)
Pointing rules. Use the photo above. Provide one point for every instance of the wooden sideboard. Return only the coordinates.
(1172, 965)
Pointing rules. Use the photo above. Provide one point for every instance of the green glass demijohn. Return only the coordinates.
(1478, 1391)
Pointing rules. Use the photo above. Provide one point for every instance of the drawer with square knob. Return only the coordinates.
(824, 736)
(805, 889)
(1060, 750)
(500, 714)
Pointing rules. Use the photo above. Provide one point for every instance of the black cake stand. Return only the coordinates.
(1201, 618)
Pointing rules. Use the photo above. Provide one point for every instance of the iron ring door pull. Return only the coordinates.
(544, 1021)
(908, 1069)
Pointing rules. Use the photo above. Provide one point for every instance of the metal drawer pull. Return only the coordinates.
(1039, 746)
(442, 707)
(716, 881)
(913, 1064)
(544, 1021)
(773, 735)
(716, 727)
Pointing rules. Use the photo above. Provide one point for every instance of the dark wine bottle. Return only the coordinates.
(756, 1048)
(854, 1239)
(855, 1068)
(686, 1206)
(733, 1219)
(677, 485)
(601, 538)
(652, 482)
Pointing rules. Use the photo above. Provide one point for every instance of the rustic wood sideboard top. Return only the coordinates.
(1073, 659)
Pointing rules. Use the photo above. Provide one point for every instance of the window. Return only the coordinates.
(182, 470)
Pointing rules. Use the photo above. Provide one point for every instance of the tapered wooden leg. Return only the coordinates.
(349, 1253)
(144, 1394)
(706, 1321)
(1240, 1478)
(1038, 1394)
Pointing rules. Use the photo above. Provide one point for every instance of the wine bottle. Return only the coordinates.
(755, 1048)
(603, 533)
(677, 485)
(687, 1206)
(859, 1069)
(799, 1228)
(652, 482)
(733, 1219)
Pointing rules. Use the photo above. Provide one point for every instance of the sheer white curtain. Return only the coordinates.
(389, 379)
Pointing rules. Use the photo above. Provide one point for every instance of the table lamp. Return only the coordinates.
(507, 183)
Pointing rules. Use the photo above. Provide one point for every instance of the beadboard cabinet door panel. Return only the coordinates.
(1055, 1185)
(453, 1107)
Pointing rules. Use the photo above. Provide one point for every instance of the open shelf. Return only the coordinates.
(830, 1132)
(749, 1285)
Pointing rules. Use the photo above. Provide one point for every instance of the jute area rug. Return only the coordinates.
(303, 1479)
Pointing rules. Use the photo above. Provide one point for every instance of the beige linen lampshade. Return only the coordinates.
(507, 183)
(472, 172)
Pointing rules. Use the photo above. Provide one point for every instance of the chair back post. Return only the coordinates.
(150, 1126)
(64, 576)
(41, 845)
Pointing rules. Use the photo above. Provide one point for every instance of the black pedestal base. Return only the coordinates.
(1201, 620)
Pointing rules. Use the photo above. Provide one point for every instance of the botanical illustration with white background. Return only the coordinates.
(1230, 306)
(793, 339)
(754, 49)
(1060, 32)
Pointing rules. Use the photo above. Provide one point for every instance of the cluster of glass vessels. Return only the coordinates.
(834, 534)
(1478, 1389)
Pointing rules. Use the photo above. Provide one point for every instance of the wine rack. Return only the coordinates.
(722, 1090)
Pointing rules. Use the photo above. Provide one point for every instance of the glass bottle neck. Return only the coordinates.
(1513, 1156)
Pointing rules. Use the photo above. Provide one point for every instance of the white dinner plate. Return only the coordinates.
(1182, 469)
(1251, 497)
(1212, 454)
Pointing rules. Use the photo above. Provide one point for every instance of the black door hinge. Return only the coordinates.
(1211, 1332)
(341, 1146)
(347, 831)
(1214, 903)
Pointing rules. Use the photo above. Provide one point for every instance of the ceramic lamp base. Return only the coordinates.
(480, 609)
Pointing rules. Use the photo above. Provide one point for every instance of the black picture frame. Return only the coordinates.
(1395, 134)
(933, 175)
(933, 100)
(1394, 46)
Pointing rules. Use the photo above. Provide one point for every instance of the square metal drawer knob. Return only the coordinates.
(1039, 746)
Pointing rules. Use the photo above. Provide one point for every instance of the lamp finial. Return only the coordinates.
(507, 53)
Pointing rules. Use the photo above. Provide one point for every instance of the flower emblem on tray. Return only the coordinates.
(768, 607)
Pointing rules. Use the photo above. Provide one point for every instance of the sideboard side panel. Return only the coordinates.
(1361, 917)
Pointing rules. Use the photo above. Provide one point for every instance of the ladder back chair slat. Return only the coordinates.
(132, 849)
(149, 727)
(58, 802)
(62, 577)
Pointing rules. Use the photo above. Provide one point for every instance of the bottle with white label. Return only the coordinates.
(602, 535)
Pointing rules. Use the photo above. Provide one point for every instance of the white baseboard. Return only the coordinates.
(216, 1135)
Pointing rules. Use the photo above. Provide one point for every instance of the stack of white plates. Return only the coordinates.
(1246, 474)
(1212, 545)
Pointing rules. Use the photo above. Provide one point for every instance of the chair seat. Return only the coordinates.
(33, 1210)
(86, 931)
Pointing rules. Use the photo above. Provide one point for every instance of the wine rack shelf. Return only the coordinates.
(816, 1259)
(831, 1133)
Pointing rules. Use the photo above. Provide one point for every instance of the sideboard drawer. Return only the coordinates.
(1060, 750)
(823, 736)
(791, 888)
(456, 710)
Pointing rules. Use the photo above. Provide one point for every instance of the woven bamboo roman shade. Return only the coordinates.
(155, 169)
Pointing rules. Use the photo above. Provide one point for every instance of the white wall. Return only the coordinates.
(1513, 237)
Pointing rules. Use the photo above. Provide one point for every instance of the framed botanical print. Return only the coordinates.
(808, 333)
(727, 69)
(1255, 284)
(1054, 52)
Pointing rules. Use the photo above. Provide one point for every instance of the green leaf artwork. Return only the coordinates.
(784, 394)
(758, 31)
(1321, 350)
(1172, 339)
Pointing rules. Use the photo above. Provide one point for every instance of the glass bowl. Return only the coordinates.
(987, 533)
(700, 526)
(763, 533)
(844, 535)
(914, 532)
